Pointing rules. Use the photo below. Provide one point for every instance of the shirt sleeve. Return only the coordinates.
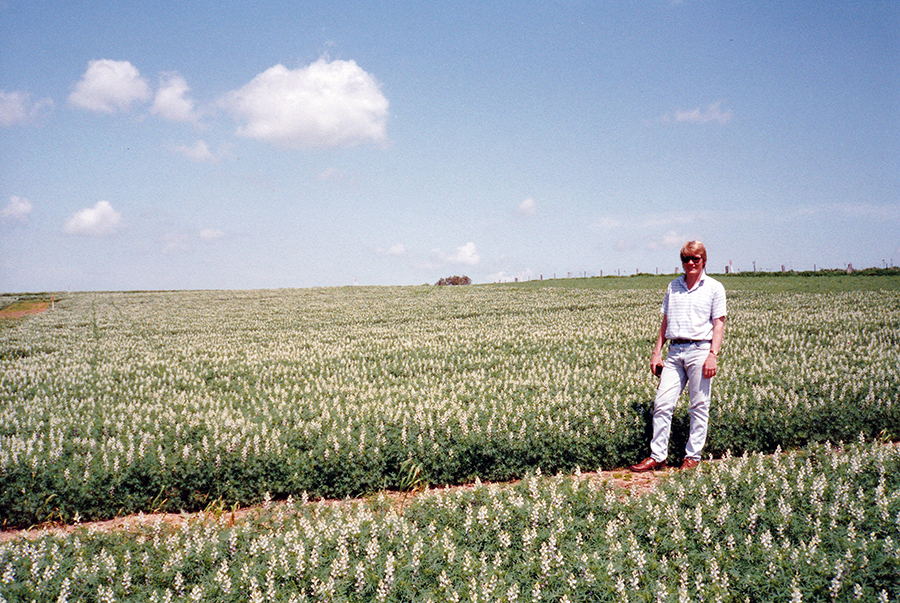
(718, 309)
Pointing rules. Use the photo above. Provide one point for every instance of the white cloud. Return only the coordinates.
(211, 234)
(395, 250)
(670, 240)
(18, 209)
(331, 174)
(505, 277)
(17, 108)
(199, 151)
(172, 101)
(712, 113)
(108, 86)
(97, 221)
(527, 207)
(175, 243)
(325, 104)
(466, 255)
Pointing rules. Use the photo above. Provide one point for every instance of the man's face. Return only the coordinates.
(692, 264)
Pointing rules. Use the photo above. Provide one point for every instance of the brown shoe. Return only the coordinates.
(689, 463)
(648, 464)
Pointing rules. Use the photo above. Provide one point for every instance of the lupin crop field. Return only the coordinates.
(115, 403)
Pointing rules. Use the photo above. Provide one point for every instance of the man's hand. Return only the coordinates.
(710, 367)
(656, 361)
(656, 364)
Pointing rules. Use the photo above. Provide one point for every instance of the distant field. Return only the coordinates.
(120, 402)
(771, 282)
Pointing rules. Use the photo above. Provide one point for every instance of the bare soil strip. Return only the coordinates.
(633, 484)
(24, 308)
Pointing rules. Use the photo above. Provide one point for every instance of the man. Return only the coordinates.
(694, 323)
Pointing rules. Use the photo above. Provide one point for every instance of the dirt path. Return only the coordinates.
(21, 309)
(631, 483)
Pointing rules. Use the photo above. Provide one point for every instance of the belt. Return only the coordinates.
(683, 341)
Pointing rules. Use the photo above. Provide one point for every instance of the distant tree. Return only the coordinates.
(455, 280)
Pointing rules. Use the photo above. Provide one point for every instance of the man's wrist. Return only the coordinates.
(714, 353)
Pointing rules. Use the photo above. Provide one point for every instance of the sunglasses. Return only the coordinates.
(687, 259)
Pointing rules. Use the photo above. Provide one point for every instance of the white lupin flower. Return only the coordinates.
(351, 384)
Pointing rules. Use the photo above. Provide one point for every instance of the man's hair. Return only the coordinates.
(694, 248)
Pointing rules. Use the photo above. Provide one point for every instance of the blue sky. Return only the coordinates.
(233, 145)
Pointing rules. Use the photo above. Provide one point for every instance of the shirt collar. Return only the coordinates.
(698, 284)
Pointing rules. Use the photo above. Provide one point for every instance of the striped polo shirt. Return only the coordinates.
(690, 312)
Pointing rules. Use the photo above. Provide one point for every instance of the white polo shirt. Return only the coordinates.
(690, 312)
